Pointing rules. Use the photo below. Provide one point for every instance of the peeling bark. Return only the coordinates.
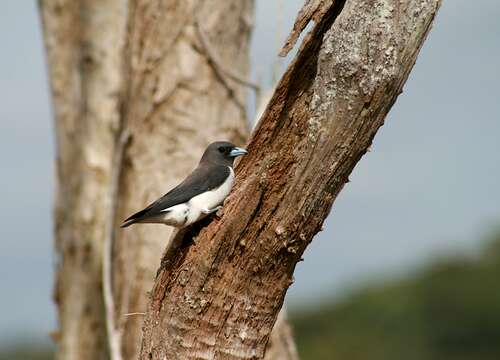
(312, 10)
(219, 298)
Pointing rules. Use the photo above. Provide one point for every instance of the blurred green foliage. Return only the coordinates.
(449, 311)
(27, 351)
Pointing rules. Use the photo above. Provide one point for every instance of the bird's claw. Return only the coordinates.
(219, 213)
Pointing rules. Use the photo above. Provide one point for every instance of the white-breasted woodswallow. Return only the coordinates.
(200, 194)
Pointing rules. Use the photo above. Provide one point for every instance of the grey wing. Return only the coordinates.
(202, 179)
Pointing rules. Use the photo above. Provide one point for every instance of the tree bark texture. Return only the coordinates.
(219, 298)
(149, 83)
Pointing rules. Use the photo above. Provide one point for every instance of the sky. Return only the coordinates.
(428, 188)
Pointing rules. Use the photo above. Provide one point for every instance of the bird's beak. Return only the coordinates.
(237, 152)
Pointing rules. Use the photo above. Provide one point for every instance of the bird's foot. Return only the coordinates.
(219, 213)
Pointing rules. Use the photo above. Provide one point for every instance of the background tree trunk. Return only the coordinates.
(139, 89)
(85, 54)
(178, 102)
(219, 298)
(150, 70)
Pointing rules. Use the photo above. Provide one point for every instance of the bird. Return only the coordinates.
(200, 194)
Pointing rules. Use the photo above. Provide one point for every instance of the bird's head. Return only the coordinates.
(222, 153)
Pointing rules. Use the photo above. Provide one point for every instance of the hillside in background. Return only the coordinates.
(449, 311)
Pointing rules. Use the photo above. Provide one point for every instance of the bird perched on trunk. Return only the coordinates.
(200, 194)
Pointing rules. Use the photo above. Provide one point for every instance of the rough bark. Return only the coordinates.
(219, 298)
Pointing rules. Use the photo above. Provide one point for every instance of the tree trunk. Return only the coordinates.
(281, 345)
(219, 298)
(85, 59)
(139, 89)
(179, 101)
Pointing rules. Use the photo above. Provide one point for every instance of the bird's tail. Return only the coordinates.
(128, 223)
(135, 218)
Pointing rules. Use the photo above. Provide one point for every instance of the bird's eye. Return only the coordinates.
(221, 149)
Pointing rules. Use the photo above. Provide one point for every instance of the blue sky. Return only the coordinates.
(429, 187)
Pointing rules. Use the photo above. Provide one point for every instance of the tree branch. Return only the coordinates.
(222, 71)
(214, 58)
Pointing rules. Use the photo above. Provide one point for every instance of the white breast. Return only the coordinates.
(209, 200)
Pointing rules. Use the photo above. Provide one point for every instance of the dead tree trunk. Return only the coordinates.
(219, 298)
